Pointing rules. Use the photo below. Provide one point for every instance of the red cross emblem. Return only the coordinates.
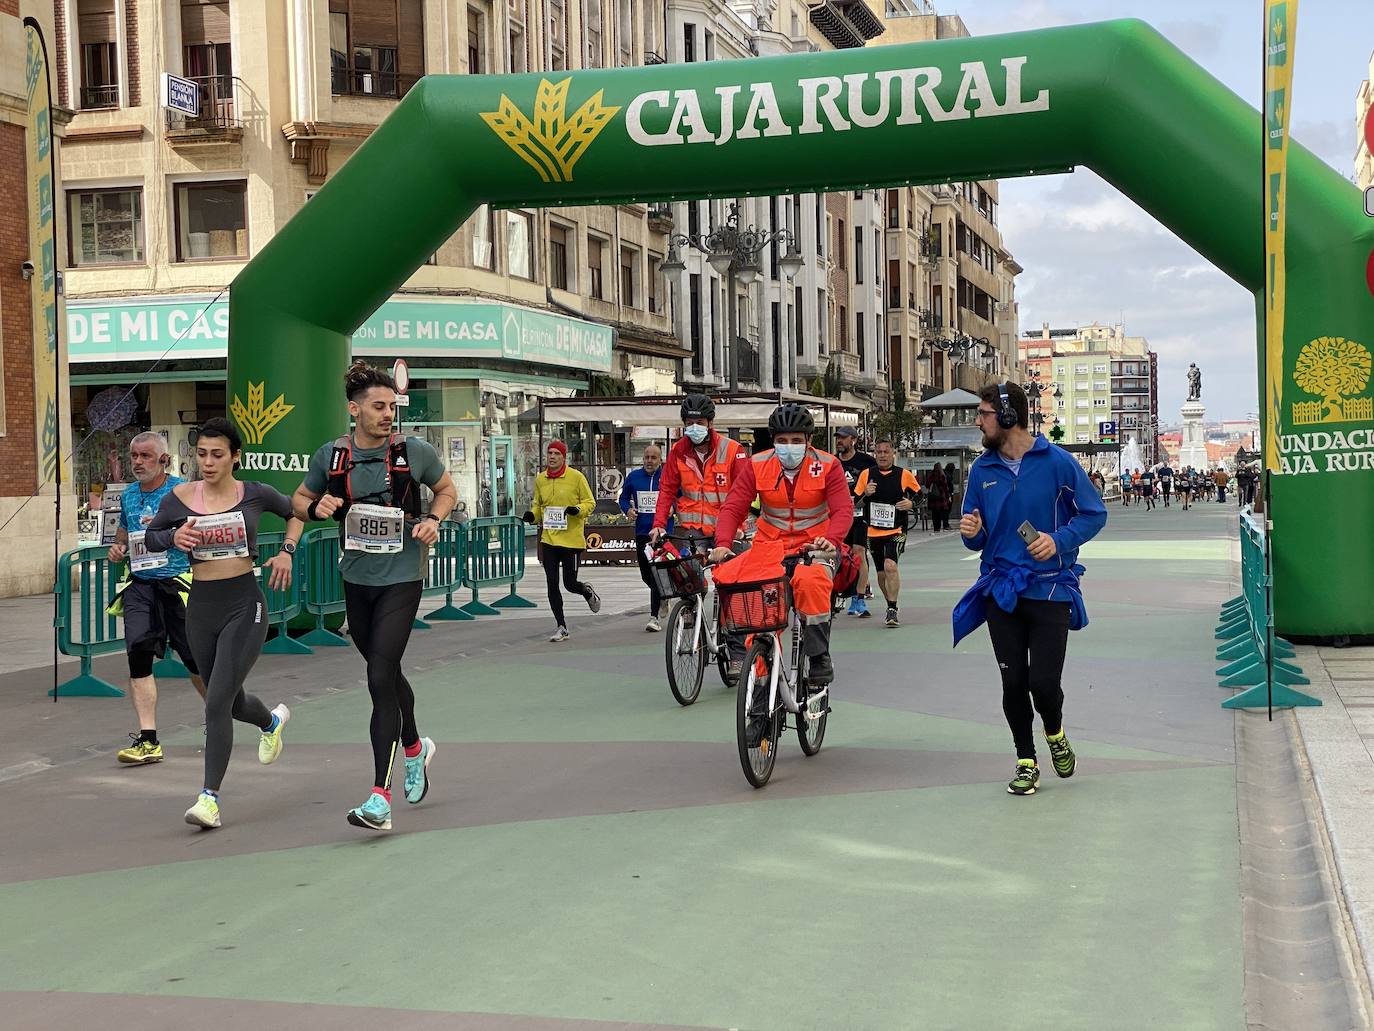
(721, 479)
(816, 468)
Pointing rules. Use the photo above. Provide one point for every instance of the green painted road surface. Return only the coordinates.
(591, 855)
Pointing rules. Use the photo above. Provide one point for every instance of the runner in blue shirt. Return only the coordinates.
(639, 499)
(152, 596)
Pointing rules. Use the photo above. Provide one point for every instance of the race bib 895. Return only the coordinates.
(375, 529)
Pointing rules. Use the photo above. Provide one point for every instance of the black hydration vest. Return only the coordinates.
(403, 494)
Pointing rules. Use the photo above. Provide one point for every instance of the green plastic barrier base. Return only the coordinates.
(1251, 673)
(322, 638)
(1233, 604)
(1257, 697)
(449, 612)
(420, 624)
(1230, 631)
(1236, 649)
(87, 685)
(1284, 650)
(480, 608)
(514, 601)
(170, 668)
(285, 644)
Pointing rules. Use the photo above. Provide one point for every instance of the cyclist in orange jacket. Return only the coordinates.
(698, 471)
(804, 499)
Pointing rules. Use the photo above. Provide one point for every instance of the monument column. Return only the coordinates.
(1193, 449)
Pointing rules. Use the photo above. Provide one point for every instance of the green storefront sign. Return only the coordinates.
(143, 328)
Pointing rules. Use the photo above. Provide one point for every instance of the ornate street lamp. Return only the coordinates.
(734, 253)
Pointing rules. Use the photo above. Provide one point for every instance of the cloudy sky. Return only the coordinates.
(1091, 254)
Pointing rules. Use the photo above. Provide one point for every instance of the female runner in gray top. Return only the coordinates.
(215, 520)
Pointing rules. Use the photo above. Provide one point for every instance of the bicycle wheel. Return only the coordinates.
(723, 657)
(758, 761)
(686, 664)
(810, 733)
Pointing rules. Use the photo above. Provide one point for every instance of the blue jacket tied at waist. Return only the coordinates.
(1006, 587)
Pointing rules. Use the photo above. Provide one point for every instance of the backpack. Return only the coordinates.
(404, 494)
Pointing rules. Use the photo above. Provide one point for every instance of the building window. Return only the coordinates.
(797, 320)
(376, 47)
(517, 60)
(591, 26)
(558, 36)
(689, 42)
(655, 294)
(698, 368)
(99, 53)
(1099, 402)
(206, 55)
(558, 256)
(859, 337)
(1081, 420)
(106, 227)
(858, 254)
(710, 45)
(1081, 402)
(629, 268)
(211, 220)
(483, 229)
(595, 247)
(519, 236)
(477, 42)
(844, 328)
(821, 326)
(1099, 368)
(625, 31)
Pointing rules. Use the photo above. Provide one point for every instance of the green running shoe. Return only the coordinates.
(205, 813)
(374, 814)
(1027, 776)
(417, 772)
(1065, 762)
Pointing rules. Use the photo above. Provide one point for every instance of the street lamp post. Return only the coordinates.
(1033, 391)
(734, 253)
(957, 346)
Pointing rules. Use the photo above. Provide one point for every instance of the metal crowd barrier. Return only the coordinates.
(83, 627)
(496, 557)
(1256, 659)
(478, 555)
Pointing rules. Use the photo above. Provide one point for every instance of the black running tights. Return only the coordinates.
(554, 558)
(380, 620)
(226, 622)
(1029, 644)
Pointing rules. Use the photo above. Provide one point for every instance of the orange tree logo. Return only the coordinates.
(1335, 369)
(254, 420)
(552, 142)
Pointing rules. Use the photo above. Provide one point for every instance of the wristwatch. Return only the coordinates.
(431, 515)
(289, 547)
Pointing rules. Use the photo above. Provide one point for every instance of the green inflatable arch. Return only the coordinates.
(1115, 96)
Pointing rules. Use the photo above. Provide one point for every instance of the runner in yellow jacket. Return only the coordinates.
(562, 502)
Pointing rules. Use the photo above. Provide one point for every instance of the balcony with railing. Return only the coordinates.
(94, 98)
(348, 80)
(219, 118)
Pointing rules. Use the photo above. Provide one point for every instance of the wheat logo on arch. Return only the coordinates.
(552, 142)
(254, 420)
(1335, 369)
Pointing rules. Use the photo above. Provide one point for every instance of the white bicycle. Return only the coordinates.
(773, 681)
(694, 635)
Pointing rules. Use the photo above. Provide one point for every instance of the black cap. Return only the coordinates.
(846, 431)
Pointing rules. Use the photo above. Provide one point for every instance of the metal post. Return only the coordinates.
(731, 330)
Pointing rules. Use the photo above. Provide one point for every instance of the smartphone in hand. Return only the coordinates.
(1028, 533)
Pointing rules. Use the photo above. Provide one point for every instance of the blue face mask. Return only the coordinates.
(696, 433)
(790, 455)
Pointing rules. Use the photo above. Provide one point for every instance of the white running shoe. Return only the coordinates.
(653, 626)
(559, 636)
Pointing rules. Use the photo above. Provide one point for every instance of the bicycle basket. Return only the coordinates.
(679, 577)
(754, 608)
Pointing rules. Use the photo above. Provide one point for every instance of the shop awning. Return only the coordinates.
(956, 398)
(737, 413)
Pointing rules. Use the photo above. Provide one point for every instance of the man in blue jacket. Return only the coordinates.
(1028, 508)
(639, 499)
